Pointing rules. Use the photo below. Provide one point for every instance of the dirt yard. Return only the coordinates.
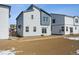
(50, 45)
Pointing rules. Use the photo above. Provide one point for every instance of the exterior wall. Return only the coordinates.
(57, 29)
(19, 21)
(75, 19)
(76, 30)
(76, 25)
(46, 24)
(59, 19)
(68, 23)
(4, 25)
(27, 21)
(68, 32)
(42, 22)
(68, 20)
(37, 21)
(48, 30)
(59, 22)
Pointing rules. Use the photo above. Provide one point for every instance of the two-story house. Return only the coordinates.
(33, 22)
(64, 24)
(4, 21)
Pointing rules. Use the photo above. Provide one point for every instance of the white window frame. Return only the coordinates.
(32, 16)
(76, 20)
(66, 28)
(27, 29)
(45, 19)
(34, 29)
(44, 30)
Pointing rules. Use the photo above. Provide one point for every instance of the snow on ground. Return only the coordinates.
(72, 38)
(77, 51)
(8, 52)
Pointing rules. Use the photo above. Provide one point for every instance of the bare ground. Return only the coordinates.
(49, 45)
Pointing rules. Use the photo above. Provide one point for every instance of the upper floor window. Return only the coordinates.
(34, 29)
(32, 16)
(53, 21)
(76, 20)
(27, 29)
(45, 19)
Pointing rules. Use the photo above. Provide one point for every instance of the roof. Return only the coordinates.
(36, 8)
(76, 16)
(6, 6)
(61, 15)
(19, 15)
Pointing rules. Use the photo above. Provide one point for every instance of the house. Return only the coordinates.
(4, 21)
(33, 22)
(64, 24)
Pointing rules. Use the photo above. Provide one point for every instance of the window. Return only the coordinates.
(32, 16)
(27, 29)
(44, 30)
(19, 26)
(76, 20)
(62, 28)
(71, 30)
(66, 28)
(75, 28)
(53, 21)
(34, 29)
(45, 19)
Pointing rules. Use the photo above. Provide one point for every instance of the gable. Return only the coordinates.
(31, 8)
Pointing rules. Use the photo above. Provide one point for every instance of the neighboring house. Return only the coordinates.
(64, 24)
(4, 21)
(33, 21)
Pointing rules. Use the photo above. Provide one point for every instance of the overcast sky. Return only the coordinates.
(68, 9)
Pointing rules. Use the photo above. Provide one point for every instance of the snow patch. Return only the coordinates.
(77, 51)
(72, 38)
(8, 52)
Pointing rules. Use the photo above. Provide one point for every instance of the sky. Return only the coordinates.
(67, 9)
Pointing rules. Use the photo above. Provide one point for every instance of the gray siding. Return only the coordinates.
(42, 22)
(56, 28)
(59, 19)
(19, 21)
